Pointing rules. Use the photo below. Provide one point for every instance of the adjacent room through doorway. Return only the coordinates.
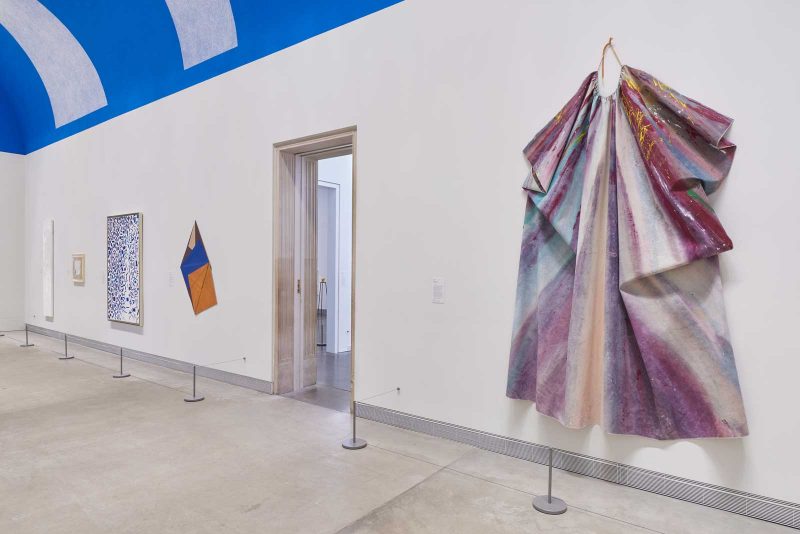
(314, 277)
(334, 268)
(334, 276)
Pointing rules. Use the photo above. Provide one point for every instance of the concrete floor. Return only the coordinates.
(332, 389)
(83, 453)
(333, 369)
(324, 396)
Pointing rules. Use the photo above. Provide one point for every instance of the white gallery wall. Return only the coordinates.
(12, 221)
(445, 94)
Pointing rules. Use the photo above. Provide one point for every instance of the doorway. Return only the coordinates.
(314, 269)
(334, 276)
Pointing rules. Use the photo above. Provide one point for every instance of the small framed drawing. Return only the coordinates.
(78, 268)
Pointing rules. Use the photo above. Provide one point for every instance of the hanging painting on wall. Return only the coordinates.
(197, 276)
(619, 316)
(48, 303)
(124, 259)
(78, 268)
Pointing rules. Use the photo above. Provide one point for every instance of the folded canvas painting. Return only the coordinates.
(619, 316)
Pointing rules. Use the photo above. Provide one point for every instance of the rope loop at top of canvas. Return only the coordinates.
(602, 66)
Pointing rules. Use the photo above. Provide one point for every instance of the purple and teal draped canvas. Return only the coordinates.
(620, 320)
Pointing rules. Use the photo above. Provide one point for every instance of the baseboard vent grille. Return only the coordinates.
(739, 502)
(215, 374)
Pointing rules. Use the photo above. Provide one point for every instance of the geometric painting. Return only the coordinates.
(124, 262)
(47, 268)
(196, 270)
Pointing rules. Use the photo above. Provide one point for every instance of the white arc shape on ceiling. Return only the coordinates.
(205, 28)
(69, 76)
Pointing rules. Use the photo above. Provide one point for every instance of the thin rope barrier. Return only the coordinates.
(397, 389)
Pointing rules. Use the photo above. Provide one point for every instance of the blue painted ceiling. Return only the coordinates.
(67, 65)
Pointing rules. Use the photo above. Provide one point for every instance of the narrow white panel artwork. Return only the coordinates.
(47, 268)
(68, 75)
(124, 262)
(206, 28)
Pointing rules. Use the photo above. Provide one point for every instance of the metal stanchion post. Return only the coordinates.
(323, 291)
(354, 443)
(27, 344)
(194, 397)
(121, 373)
(66, 355)
(547, 504)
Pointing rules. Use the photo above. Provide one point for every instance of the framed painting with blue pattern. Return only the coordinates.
(124, 275)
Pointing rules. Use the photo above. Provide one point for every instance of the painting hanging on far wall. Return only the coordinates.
(78, 268)
(620, 320)
(124, 262)
(196, 271)
(48, 303)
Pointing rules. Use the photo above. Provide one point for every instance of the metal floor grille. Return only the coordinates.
(739, 502)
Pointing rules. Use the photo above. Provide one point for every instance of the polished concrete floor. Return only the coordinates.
(83, 453)
(333, 369)
(332, 389)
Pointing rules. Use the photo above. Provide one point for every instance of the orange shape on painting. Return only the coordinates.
(201, 287)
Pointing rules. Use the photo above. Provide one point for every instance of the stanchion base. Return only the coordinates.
(27, 345)
(354, 444)
(126, 375)
(66, 357)
(193, 399)
(555, 507)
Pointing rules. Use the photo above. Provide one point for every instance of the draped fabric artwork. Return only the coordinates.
(619, 316)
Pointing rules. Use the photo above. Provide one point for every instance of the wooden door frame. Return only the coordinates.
(286, 174)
